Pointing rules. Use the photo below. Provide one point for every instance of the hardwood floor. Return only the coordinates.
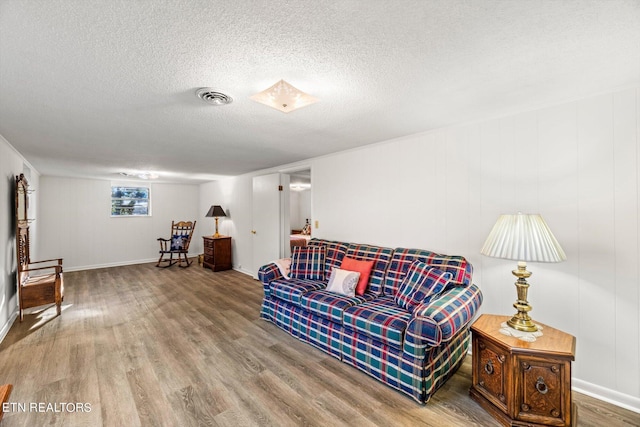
(138, 345)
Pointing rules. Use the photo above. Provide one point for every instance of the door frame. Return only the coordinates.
(287, 232)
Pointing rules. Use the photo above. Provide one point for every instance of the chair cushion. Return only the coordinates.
(420, 284)
(307, 262)
(178, 242)
(329, 305)
(380, 319)
(362, 267)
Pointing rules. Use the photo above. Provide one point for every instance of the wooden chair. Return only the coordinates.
(178, 244)
(39, 282)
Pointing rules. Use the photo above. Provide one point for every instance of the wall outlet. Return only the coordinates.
(317, 223)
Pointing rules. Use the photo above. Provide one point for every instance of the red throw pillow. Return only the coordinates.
(362, 267)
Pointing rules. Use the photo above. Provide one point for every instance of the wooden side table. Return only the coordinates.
(217, 253)
(522, 383)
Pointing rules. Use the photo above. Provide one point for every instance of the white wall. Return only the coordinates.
(235, 197)
(577, 164)
(11, 164)
(75, 223)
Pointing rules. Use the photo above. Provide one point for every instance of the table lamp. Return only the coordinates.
(216, 211)
(522, 237)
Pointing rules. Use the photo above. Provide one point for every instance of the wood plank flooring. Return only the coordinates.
(143, 346)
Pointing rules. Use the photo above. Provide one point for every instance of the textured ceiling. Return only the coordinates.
(92, 88)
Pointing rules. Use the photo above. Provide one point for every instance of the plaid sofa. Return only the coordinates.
(414, 353)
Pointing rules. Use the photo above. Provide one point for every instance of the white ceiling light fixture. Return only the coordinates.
(141, 175)
(301, 186)
(148, 175)
(213, 97)
(284, 97)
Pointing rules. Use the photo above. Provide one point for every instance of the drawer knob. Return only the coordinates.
(541, 386)
(488, 367)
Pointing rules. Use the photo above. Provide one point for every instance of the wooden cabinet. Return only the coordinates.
(217, 253)
(522, 383)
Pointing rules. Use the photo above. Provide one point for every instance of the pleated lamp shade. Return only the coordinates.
(523, 237)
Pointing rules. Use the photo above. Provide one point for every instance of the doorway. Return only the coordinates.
(300, 200)
(281, 204)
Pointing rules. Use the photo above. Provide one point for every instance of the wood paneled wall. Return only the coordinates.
(577, 164)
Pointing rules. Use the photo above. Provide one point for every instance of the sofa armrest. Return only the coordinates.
(267, 274)
(442, 319)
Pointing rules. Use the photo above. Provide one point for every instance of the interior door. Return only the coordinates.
(270, 218)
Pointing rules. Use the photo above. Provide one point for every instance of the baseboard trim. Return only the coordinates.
(607, 395)
(243, 271)
(109, 264)
(9, 324)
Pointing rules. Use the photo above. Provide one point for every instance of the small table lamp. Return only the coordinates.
(216, 211)
(522, 237)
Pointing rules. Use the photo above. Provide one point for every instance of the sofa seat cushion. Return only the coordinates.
(330, 305)
(380, 319)
(293, 289)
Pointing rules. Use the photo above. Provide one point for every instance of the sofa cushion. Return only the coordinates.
(380, 319)
(420, 284)
(292, 290)
(343, 282)
(334, 252)
(402, 259)
(307, 262)
(362, 267)
(381, 258)
(331, 306)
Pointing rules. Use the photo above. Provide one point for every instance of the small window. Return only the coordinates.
(130, 201)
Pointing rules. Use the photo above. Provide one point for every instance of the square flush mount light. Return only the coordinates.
(284, 97)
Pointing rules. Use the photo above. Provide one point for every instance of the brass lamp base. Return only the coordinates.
(521, 320)
(216, 234)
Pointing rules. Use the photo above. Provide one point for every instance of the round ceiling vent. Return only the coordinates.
(213, 97)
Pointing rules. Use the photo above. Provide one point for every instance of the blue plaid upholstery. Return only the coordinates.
(421, 284)
(413, 352)
(442, 319)
(381, 257)
(286, 317)
(380, 319)
(292, 290)
(384, 363)
(307, 262)
(442, 362)
(331, 305)
(334, 252)
(266, 311)
(321, 333)
(403, 258)
(268, 273)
